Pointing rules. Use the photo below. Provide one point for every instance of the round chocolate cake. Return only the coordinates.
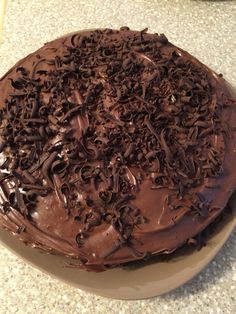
(115, 146)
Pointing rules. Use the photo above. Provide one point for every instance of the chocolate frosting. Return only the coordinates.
(115, 146)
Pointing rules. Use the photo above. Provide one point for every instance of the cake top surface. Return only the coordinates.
(114, 145)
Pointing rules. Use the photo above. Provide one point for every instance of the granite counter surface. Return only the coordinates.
(204, 28)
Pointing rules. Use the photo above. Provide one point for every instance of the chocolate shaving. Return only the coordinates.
(70, 113)
(59, 189)
(150, 127)
(46, 168)
(37, 121)
(18, 84)
(168, 153)
(33, 187)
(129, 150)
(20, 201)
(58, 166)
(22, 70)
(38, 163)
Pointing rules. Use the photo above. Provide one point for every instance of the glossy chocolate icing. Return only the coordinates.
(52, 227)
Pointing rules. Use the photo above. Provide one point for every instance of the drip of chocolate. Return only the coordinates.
(114, 145)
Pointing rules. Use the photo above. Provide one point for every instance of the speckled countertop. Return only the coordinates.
(204, 28)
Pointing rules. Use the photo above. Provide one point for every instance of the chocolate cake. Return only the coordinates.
(115, 146)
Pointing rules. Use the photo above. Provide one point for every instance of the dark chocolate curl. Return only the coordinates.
(46, 168)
